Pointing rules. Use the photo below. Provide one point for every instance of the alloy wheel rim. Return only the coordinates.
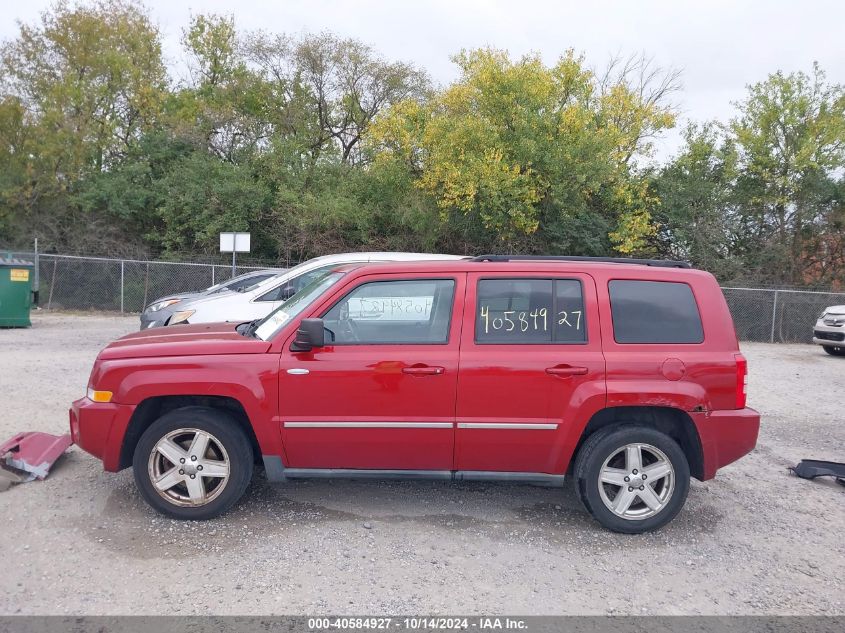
(189, 467)
(636, 481)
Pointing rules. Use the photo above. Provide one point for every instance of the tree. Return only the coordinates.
(78, 91)
(223, 107)
(202, 196)
(350, 85)
(790, 134)
(523, 150)
(90, 77)
(698, 216)
(133, 191)
(15, 141)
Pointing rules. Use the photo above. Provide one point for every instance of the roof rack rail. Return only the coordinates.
(664, 263)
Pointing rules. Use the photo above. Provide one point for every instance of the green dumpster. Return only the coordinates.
(15, 292)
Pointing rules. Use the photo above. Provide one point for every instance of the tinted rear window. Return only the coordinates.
(654, 312)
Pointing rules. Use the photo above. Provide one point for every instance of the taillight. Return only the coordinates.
(741, 381)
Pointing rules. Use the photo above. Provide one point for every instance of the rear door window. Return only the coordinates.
(654, 312)
(530, 311)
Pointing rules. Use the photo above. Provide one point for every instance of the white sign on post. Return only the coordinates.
(234, 243)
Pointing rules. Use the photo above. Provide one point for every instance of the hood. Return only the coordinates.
(181, 296)
(184, 340)
(202, 297)
(835, 310)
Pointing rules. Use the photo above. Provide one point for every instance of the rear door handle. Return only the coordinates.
(566, 370)
(423, 371)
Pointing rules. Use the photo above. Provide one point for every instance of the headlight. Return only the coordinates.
(821, 316)
(180, 317)
(162, 304)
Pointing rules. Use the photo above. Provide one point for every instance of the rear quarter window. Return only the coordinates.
(654, 312)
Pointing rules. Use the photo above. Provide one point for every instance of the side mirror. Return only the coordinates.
(287, 293)
(311, 334)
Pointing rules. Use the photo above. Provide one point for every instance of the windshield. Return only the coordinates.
(247, 283)
(245, 279)
(277, 319)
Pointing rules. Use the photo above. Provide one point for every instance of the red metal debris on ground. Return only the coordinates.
(33, 452)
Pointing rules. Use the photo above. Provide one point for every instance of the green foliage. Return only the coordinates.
(91, 77)
(204, 196)
(317, 144)
(697, 214)
(79, 89)
(524, 148)
(760, 200)
(791, 138)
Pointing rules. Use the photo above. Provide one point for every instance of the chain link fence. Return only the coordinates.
(776, 315)
(66, 282)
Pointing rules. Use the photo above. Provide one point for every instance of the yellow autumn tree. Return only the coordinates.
(522, 147)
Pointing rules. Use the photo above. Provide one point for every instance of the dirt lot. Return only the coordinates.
(754, 540)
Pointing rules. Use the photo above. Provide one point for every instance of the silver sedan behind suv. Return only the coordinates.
(829, 330)
(159, 311)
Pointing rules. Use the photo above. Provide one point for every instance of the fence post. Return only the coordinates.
(213, 268)
(121, 286)
(146, 285)
(774, 317)
(52, 283)
(37, 280)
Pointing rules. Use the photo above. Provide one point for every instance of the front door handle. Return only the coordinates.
(423, 371)
(566, 370)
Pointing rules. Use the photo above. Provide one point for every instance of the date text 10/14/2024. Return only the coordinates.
(421, 623)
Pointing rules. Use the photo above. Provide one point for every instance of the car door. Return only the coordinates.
(530, 352)
(381, 393)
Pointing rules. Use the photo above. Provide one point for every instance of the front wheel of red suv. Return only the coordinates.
(193, 463)
(631, 478)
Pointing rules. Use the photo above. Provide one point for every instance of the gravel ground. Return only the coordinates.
(753, 541)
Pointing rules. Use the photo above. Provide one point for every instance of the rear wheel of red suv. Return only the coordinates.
(193, 463)
(632, 478)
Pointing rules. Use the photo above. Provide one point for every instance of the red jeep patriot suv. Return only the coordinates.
(624, 375)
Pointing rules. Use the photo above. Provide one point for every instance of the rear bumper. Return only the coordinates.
(98, 428)
(725, 436)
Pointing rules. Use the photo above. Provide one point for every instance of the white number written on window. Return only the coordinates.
(519, 321)
(390, 308)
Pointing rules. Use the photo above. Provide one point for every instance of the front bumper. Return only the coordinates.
(832, 335)
(98, 428)
(154, 319)
(725, 436)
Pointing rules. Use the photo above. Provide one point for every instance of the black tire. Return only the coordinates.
(224, 432)
(606, 443)
(834, 350)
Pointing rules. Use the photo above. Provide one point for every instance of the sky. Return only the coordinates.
(719, 46)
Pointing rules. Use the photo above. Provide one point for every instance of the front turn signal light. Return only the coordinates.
(99, 396)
